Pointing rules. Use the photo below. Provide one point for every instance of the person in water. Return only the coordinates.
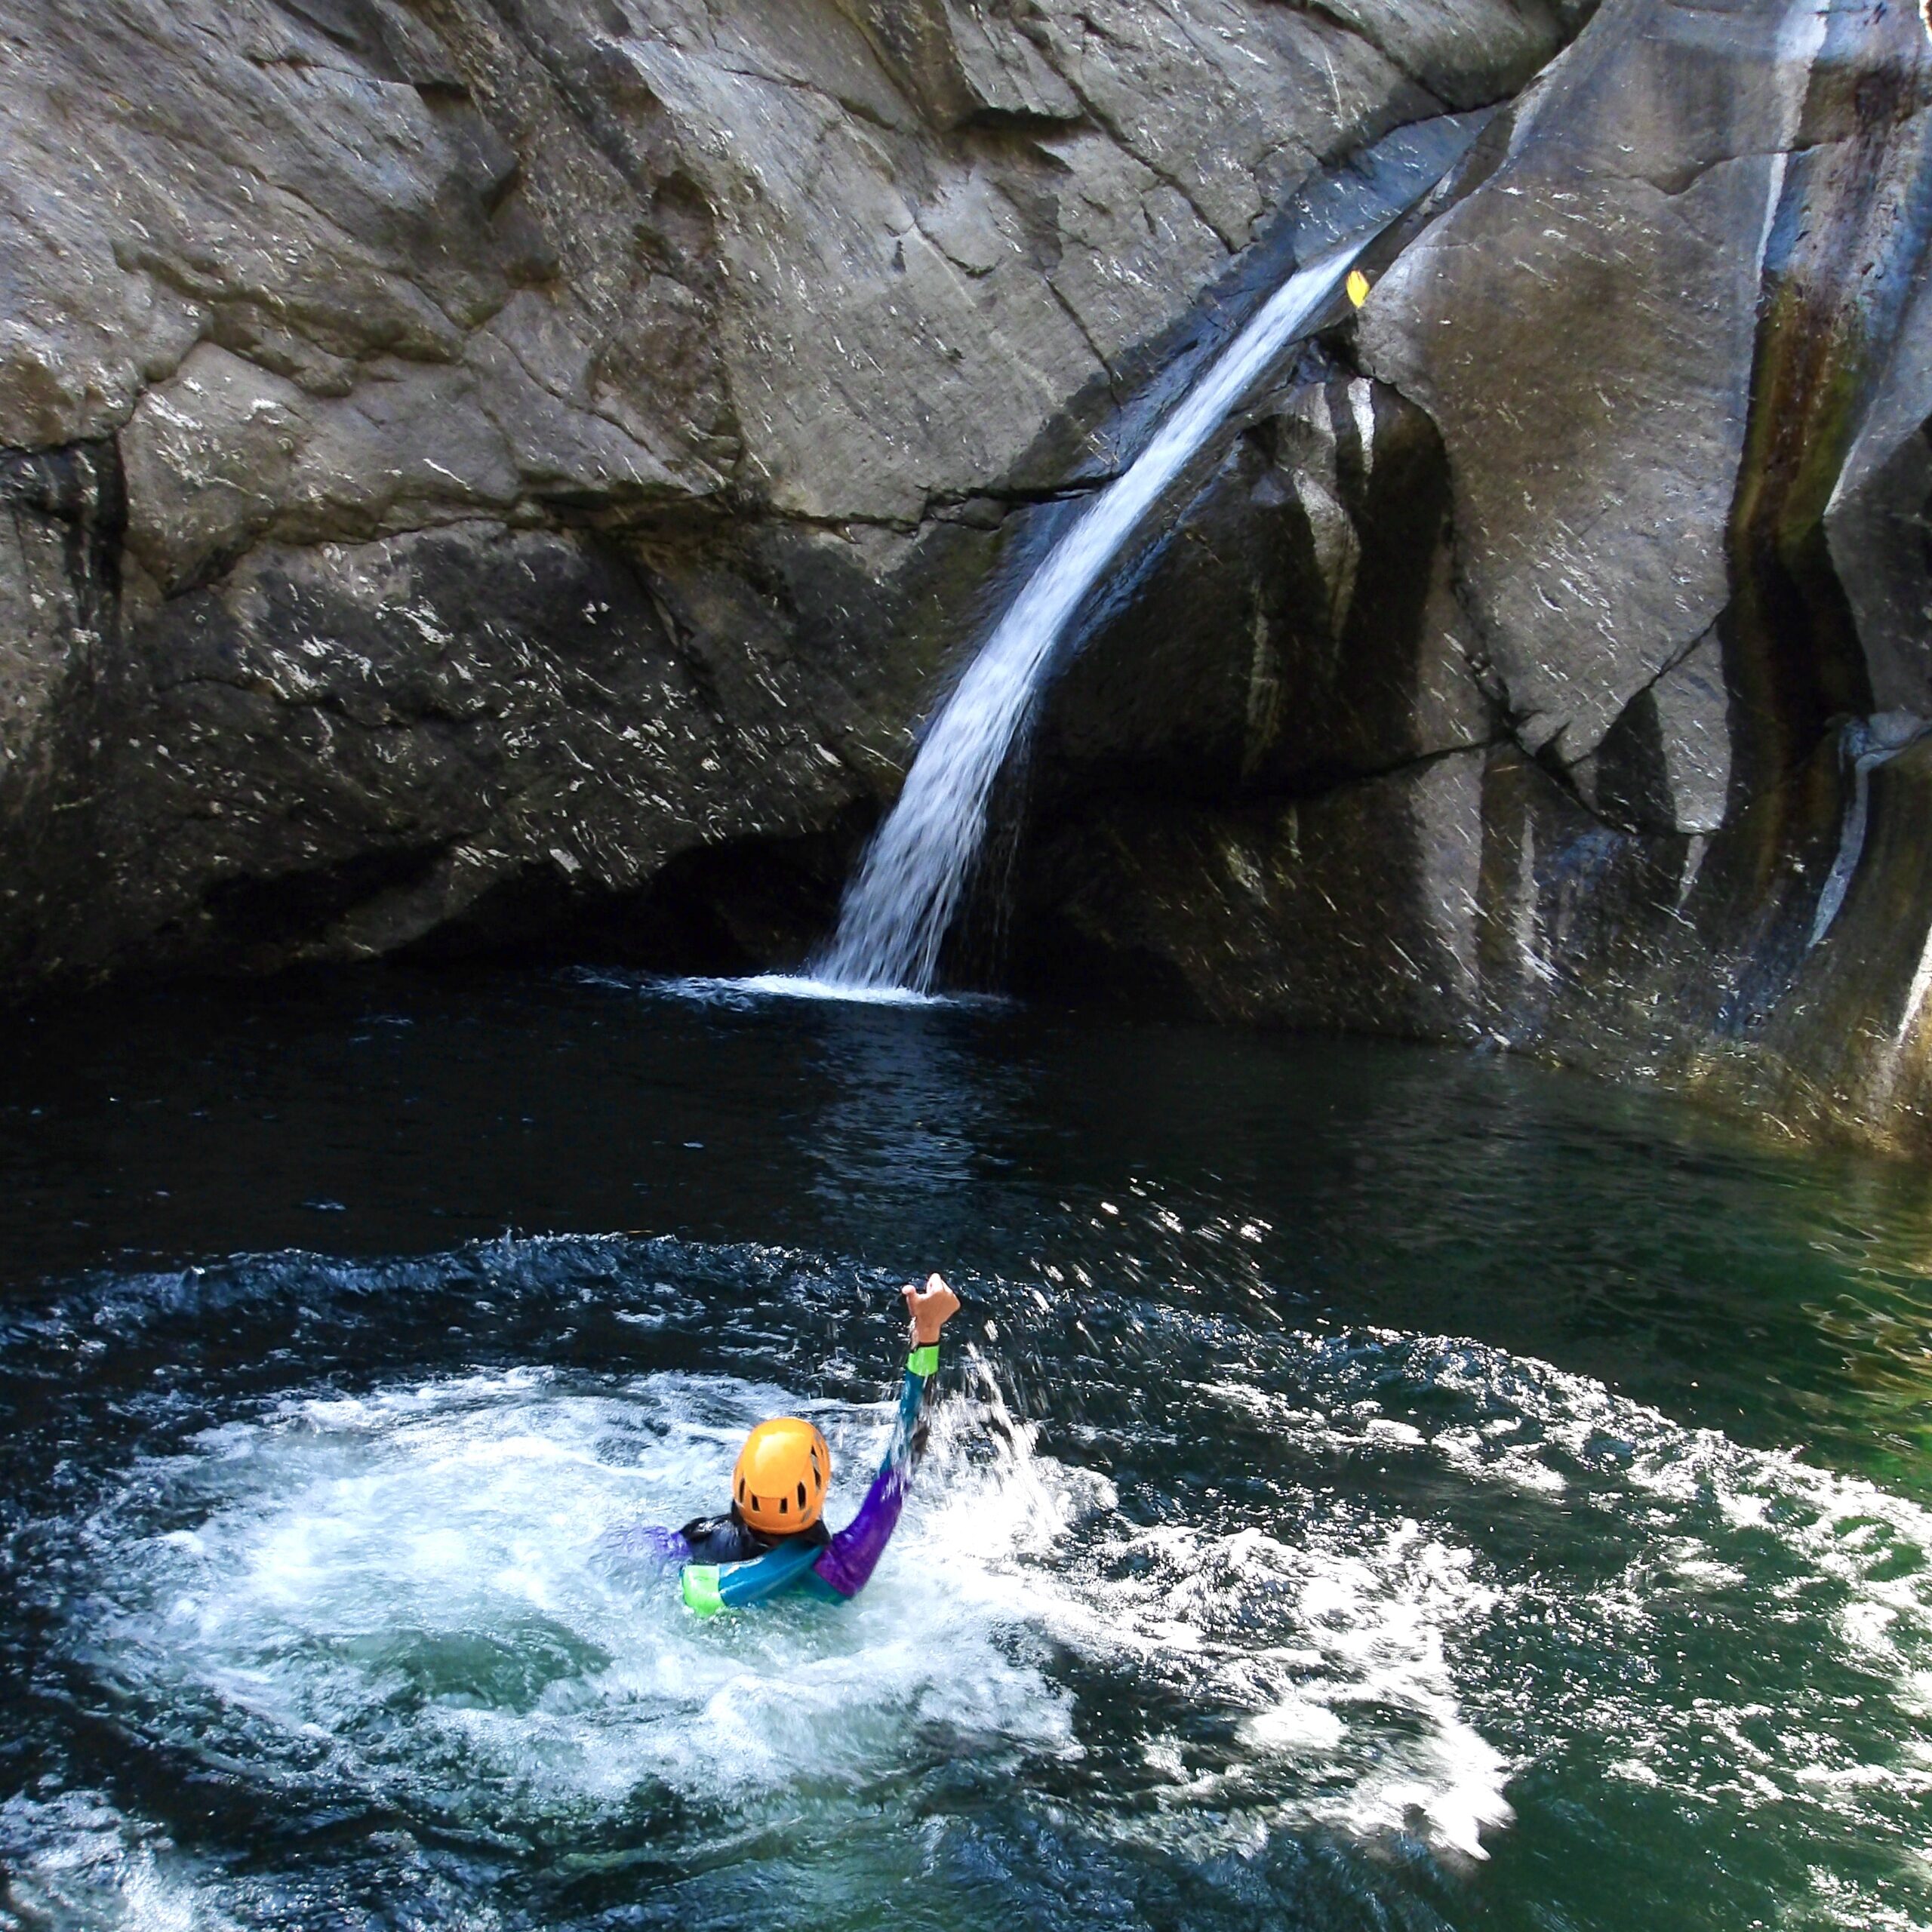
(772, 1539)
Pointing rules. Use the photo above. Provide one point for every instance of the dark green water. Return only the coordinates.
(1373, 1488)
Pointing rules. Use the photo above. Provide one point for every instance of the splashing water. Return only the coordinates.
(1234, 1591)
(897, 910)
(1364, 1590)
(427, 1595)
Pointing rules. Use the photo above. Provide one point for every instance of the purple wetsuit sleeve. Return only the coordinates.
(853, 1554)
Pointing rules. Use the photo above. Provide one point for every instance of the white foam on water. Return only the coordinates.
(1335, 1646)
(73, 1861)
(1329, 1653)
(415, 1593)
(757, 989)
(73, 1864)
(415, 1590)
(786, 986)
(1856, 1573)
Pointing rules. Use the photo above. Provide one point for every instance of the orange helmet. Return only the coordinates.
(779, 1483)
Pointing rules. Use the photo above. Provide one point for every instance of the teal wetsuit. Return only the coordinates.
(836, 1569)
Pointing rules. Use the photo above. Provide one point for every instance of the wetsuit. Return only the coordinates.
(727, 1564)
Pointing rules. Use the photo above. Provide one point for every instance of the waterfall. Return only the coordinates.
(897, 910)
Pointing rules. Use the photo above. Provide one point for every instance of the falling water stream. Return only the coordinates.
(898, 910)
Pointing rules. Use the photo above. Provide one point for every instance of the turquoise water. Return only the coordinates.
(1370, 1487)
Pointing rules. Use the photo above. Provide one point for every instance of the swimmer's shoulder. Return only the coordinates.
(727, 1539)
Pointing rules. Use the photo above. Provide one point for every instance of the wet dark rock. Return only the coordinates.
(1249, 653)
(478, 475)
(1638, 782)
(464, 462)
(340, 751)
(1353, 912)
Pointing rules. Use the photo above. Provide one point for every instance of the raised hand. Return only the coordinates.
(931, 1308)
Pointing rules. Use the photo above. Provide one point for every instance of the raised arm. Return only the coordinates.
(846, 1563)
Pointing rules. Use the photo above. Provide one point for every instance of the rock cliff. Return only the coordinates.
(466, 461)
(476, 468)
(1569, 692)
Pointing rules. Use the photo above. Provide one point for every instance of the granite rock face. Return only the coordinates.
(464, 458)
(479, 469)
(1624, 766)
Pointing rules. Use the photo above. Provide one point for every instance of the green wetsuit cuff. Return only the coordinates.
(700, 1589)
(924, 1362)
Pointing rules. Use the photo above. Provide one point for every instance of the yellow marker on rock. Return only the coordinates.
(1358, 285)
